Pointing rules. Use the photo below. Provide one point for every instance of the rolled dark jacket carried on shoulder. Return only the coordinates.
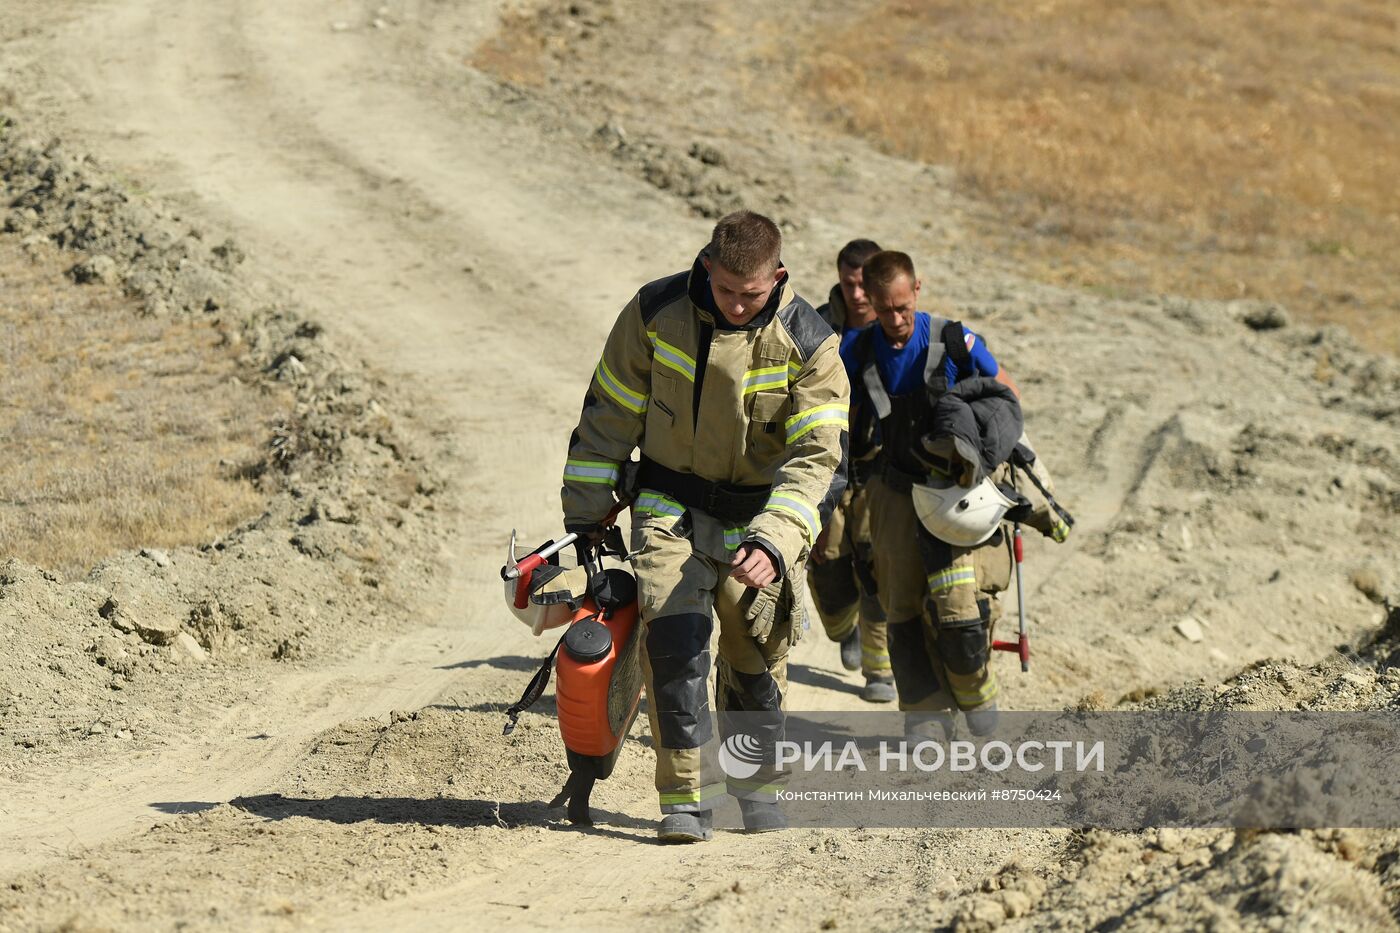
(974, 428)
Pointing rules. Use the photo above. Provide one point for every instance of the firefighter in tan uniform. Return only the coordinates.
(733, 389)
(939, 598)
(841, 573)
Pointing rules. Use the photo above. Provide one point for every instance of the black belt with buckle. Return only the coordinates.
(728, 502)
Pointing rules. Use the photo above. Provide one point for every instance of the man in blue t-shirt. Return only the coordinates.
(939, 656)
(902, 343)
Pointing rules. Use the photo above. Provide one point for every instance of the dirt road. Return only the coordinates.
(481, 251)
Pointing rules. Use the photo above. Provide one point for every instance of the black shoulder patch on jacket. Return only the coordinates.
(805, 326)
(654, 296)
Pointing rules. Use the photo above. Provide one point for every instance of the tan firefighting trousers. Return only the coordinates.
(935, 599)
(839, 583)
(682, 558)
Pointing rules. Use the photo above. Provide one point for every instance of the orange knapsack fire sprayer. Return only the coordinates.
(600, 677)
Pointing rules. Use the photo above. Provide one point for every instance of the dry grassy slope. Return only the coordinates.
(124, 431)
(1214, 149)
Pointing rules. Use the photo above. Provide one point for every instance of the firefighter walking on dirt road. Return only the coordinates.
(913, 374)
(841, 572)
(733, 389)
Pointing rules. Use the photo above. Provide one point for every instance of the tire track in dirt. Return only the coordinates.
(65, 814)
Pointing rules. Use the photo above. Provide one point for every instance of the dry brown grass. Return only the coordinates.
(113, 427)
(526, 41)
(1222, 148)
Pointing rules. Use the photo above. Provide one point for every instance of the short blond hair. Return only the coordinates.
(746, 243)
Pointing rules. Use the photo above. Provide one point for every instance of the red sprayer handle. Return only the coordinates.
(529, 564)
(521, 572)
(1022, 644)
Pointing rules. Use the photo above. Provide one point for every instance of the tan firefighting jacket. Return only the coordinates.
(834, 311)
(1042, 517)
(761, 405)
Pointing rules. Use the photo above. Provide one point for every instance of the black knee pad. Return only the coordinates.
(752, 705)
(679, 636)
(757, 692)
(834, 584)
(913, 672)
(964, 647)
(679, 650)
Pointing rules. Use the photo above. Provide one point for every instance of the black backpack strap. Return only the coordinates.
(534, 691)
(870, 374)
(955, 346)
(1065, 517)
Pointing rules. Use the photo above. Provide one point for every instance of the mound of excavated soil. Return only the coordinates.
(1228, 879)
(151, 644)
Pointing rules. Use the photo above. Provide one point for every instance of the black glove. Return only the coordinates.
(591, 533)
(590, 537)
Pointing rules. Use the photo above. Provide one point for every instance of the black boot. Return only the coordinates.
(761, 816)
(687, 827)
(850, 650)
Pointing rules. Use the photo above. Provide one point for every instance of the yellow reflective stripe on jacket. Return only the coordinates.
(673, 357)
(953, 576)
(793, 369)
(733, 537)
(770, 377)
(804, 421)
(651, 502)
(635, 402)
(791, 505)
(590, 471)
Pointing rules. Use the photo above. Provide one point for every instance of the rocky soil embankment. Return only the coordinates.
(151, 644)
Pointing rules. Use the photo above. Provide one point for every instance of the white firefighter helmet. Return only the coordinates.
(958, 515)
(552, 593)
